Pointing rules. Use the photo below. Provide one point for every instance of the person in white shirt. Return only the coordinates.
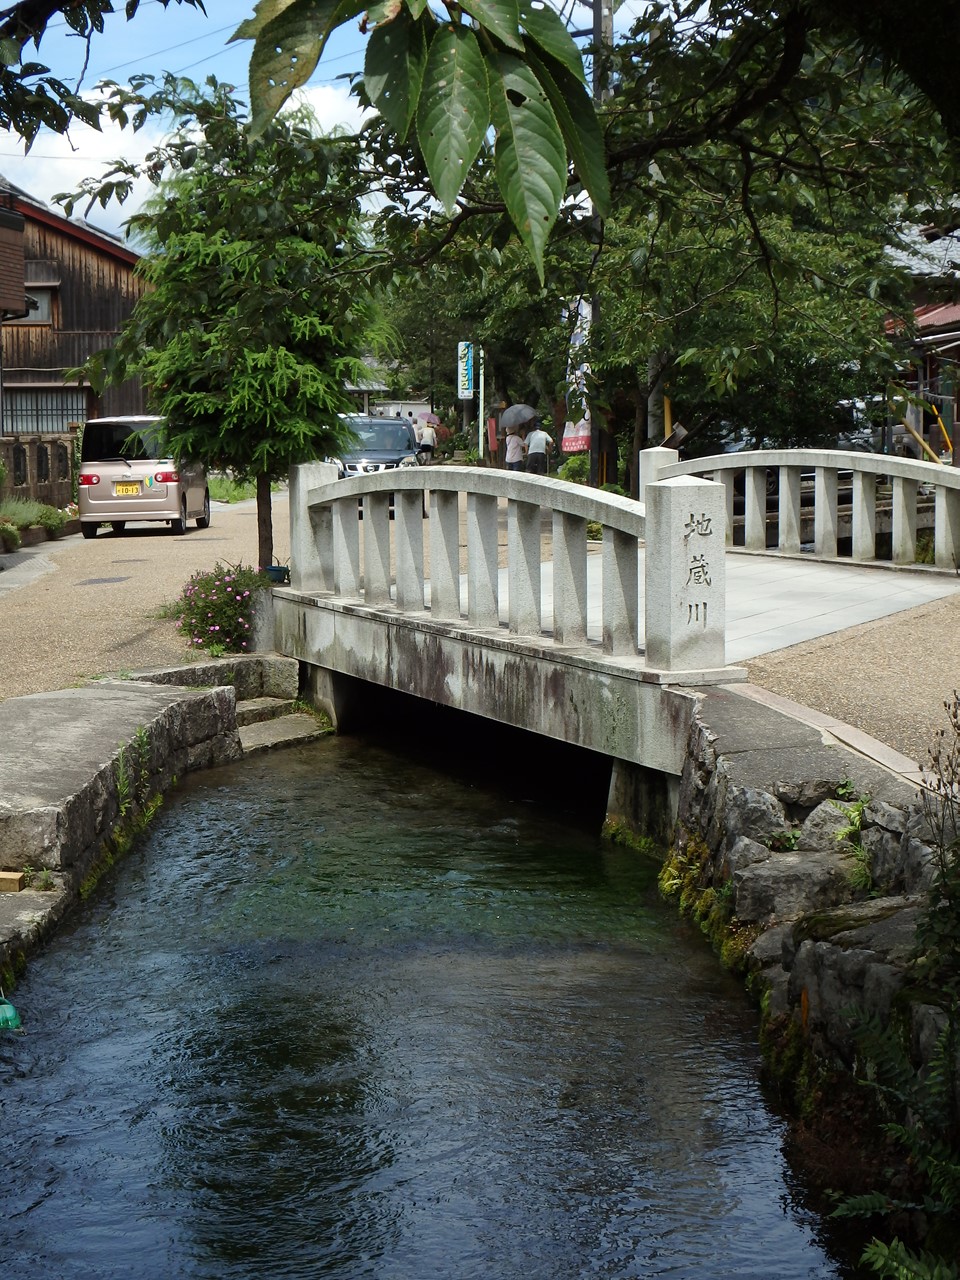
(539, 445)
(514, 451)
(428, 440)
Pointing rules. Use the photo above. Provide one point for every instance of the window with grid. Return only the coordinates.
(42, 410)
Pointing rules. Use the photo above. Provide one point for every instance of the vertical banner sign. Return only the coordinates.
(464, 370)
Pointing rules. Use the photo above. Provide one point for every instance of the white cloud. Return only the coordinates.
(58, 163)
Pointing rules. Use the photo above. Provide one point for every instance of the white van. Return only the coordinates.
(125, 478)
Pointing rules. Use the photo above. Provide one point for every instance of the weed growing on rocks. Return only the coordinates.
(215, 609)
(922, 1108)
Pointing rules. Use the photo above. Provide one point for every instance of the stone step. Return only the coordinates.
(284, 731)
(254, 710)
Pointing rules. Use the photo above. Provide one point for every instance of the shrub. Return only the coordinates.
(576, 469)
(215, 609)
(9, 535)
(23, 513)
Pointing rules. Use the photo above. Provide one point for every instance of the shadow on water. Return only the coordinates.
(365, 1011)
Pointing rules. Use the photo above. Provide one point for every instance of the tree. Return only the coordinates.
(29, 95)
(256, 312)
(505, 65)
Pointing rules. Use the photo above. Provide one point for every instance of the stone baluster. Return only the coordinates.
(755, 508)
(621, 589)
(946, 533)
(408, 540)
(904, 520)
(788, 515)
(864, 533)
(570, 578)
(376, 548)
(523, 563)
(825, 512)
(685, 591)
(483, 587)
(445, 555)
(346, 547)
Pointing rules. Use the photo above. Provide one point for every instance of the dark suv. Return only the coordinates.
(382, 444)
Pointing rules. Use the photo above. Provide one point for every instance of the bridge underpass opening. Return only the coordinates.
(484, 753)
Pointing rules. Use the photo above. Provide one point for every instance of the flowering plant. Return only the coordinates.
(215, 609)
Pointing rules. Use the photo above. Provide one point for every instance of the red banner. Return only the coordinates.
(576, 437)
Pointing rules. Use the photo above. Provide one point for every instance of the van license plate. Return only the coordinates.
(128, 490)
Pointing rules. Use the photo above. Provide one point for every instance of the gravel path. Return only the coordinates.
(890, 678)
(75, 608)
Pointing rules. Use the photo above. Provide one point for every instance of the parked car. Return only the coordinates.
(382, 444)
(126, 477)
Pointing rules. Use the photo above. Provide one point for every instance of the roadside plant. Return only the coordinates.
(9, 536)
(923, 1105)
(215, 609)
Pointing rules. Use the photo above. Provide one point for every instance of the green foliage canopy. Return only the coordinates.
(256, 312)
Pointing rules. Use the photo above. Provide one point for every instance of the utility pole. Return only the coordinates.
(602, 44)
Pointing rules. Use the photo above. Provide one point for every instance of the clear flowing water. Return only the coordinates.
(343, 1016)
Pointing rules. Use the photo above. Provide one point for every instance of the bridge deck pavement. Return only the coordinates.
(774, 602)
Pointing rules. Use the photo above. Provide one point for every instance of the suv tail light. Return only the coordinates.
(167, 477)
(84, 479)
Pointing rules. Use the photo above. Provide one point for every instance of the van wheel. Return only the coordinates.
(88, 529)
(118, 526)
(203, 522)
(180, 526)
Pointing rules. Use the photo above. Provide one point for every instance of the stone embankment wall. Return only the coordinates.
(101, 758)
(811, 885)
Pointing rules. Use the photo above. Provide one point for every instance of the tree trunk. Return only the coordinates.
(639, 440)
(264, 522)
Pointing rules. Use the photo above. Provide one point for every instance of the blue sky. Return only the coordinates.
(178, 39)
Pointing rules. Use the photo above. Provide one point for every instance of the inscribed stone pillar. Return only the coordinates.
(685, 592)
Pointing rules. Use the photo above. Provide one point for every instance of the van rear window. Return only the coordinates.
(103, 440)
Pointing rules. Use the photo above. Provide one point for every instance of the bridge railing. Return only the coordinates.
(393, 541)
(867, 482)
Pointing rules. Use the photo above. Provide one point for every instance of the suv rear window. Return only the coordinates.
(104, 440)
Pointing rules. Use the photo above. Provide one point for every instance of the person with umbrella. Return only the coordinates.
(428, 435)
(516, 449)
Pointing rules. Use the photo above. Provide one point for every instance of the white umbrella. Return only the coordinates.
(516, 416)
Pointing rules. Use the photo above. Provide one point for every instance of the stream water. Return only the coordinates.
(342, 1015)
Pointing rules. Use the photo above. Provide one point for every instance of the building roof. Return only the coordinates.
(37, 211)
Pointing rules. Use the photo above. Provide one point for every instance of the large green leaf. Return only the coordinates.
(287, 49)
(264, 11)
(500, 17)
(530, 157)
(578, 121)
(454, 111)
(394, 68)
(545, 27)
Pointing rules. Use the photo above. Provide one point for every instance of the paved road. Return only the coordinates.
(867, 646)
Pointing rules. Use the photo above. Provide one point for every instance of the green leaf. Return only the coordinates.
(394, 68)
(578, 121)
(287, 50)
(454, 111)
(264, 12)
(500, 17)
(530, 158)
(545, 27)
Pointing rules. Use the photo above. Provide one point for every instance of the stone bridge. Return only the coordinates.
(572, 613)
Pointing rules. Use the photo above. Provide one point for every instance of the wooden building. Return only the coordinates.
(65, 290)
